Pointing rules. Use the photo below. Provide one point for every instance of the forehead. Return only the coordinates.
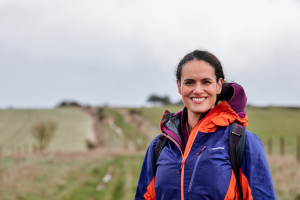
(197, 69)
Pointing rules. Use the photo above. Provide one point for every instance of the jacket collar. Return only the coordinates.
(221, 115)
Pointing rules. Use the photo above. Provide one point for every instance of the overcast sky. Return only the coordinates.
(119, 52)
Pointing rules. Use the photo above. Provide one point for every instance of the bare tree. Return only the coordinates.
(43, 133)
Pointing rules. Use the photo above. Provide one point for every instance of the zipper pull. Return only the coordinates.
(201, 150)
(182, 163)
(179, 170)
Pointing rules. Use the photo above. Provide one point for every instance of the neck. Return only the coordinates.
(193, 119)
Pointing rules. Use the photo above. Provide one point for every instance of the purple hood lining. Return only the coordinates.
(238, 99)
(173, 135)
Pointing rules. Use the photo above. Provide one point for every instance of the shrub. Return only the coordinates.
(43, 133)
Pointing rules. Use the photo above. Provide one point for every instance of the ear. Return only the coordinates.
(219, 86)
(178, 85)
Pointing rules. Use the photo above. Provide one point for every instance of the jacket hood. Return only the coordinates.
(236, 98)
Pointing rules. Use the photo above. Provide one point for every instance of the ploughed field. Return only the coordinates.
(68, 170)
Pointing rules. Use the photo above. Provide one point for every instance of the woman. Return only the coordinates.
(195, 163)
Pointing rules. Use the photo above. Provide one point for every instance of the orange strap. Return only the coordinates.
(247, 194)
(150, 193)
(233, 189)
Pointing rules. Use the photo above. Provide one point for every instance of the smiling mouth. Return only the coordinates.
(199, 99)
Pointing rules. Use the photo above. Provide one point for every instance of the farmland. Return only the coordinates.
(70, 135)
(68, 170)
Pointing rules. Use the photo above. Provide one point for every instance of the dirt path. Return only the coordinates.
(91, 135)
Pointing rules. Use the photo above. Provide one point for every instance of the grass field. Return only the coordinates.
(70, 176)
(69, 136)
(272, 122)
(111, 171)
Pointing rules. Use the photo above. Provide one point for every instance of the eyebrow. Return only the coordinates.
(189, 79)
(204, 79)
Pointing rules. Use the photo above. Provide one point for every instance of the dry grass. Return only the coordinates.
(286, 176)
(48, 175)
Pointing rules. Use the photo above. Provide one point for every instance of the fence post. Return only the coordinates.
(298, 149)
(282, 146)
(270, 146)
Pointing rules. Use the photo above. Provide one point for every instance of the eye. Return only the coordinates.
(188, 82)
(206, 82)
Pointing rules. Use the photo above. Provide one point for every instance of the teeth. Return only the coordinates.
(198, 99)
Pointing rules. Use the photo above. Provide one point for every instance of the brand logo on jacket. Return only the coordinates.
(216, 148)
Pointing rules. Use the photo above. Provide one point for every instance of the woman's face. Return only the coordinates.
(198, 87)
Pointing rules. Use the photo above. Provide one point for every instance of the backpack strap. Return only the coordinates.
(237, 141)
(161, 143)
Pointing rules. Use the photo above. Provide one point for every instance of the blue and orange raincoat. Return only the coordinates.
(201, 169)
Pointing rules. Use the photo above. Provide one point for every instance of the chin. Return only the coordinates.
(199, 110)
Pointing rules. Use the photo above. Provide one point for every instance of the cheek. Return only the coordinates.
(185, 91)
(213, 89)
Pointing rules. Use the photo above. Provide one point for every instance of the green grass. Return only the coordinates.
(273, 123)
(121, 186)
(70, 135)
(69, 176)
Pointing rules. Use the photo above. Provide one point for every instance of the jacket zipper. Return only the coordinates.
(183, 158)
(183, 162)
(200, 153)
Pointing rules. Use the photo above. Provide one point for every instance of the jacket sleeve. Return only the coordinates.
(145, 187)
(256, 169)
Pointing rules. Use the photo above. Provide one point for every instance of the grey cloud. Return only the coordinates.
(74, 48)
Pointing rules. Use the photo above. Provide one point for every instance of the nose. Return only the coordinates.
(198, 89)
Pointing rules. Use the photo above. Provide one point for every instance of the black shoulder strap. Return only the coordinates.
(237, 141)
(161, 143)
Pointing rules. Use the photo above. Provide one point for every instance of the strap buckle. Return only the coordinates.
(236, 134)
